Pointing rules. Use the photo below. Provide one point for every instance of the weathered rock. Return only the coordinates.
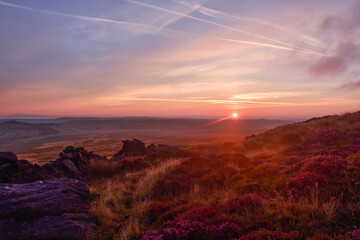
(151, 148)
(73, 163)
(53, 209)
(62, 168)
(162, 147)
(18, 171)
(8, 156)
(131, 148)
(80, 157)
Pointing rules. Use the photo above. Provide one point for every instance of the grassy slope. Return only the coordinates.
(300, 181)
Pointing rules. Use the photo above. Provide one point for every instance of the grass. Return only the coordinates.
(120, 202)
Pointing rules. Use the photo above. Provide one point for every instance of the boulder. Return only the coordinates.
(131, 148)
(18, 171)
(162, 147)
(73, 163)
(53, 209)
(62, 168)
(7, 156)
(80, 157)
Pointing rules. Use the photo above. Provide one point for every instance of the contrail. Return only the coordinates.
(94, 19)
(217, 14)
(256, 43)
(224, 26)
(215, 101)
(224, 15)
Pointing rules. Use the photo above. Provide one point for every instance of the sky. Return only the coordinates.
(262, 58)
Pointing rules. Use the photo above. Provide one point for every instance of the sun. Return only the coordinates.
(235, 115)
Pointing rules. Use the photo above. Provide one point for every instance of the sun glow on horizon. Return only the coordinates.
(235, 115)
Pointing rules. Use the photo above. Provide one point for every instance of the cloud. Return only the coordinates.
(346, 22)
(351, 86)
(345, 54)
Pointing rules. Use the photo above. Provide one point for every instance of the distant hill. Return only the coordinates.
(26, 116)
(13, 130)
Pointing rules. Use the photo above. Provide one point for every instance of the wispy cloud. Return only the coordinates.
(234, 29)
(211, 101)
(256, 43)
(224, 15)
(137, 27)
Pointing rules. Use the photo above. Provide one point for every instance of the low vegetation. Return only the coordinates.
(299, 181)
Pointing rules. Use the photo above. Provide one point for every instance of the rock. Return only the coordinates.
(62, 168)
(73, 163)
(53, 209)
(18, 171)
(80, 157)
(9, 167)
(151, 148)
(131, 148)
(8, 156)
(70, 168)
(162, 147)
(22, 171)
(28, 171)
(66, 155)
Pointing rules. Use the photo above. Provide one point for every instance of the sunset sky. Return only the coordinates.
(262, 58)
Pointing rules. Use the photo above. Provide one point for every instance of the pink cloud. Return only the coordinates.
(328, 66)
(346, 22)
(351, 86)
(345, 54)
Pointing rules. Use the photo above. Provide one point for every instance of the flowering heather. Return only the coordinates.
(353, 235)
(326, 137)
(192, 230)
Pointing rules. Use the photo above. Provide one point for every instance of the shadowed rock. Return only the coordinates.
(162, 147)
(73, 163)
(131, 148)
(54, 209)
(18, 171)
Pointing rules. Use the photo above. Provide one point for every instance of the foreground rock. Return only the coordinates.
(53, 209)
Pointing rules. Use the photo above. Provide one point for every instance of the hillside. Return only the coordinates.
(299, 181)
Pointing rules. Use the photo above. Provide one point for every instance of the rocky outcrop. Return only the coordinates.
(53, 209)
(131, 148)
(13, 170)
(136, 148)
(73, 163)
(161, 147)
